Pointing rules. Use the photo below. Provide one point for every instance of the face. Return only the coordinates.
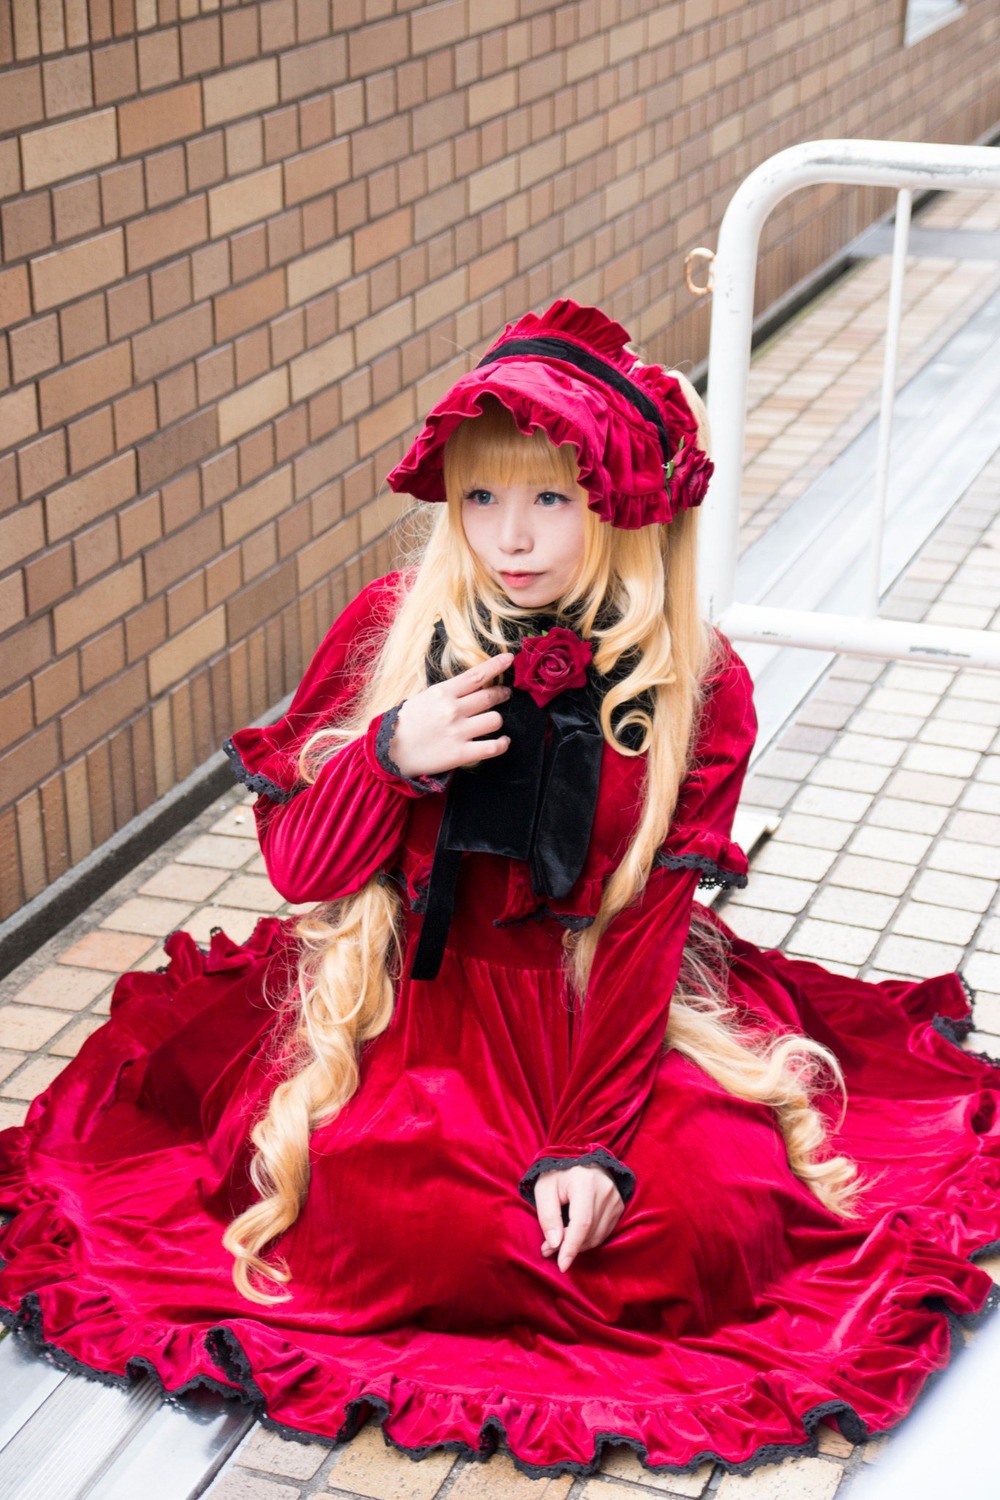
(528, 538)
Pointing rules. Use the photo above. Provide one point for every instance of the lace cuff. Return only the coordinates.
(253, 780)
(622, 1176)
(383, 738)
(719, 860)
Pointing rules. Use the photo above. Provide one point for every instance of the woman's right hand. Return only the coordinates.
(438, 729)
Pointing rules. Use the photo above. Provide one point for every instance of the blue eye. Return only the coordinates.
(551, 498)
(479, 497)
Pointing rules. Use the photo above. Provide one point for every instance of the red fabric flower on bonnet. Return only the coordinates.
(568, 372)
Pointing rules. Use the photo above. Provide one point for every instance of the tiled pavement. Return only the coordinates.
(885, 862)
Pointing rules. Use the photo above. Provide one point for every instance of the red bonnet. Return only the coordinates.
(569, 373)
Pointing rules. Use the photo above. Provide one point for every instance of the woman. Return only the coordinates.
(509, 1138)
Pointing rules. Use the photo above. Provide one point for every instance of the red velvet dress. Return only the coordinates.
(728, 1313)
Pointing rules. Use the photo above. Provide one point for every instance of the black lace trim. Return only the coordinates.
(262, 785)
(228, 1353)
(712, 874)
(970, 993)
(564, 918)
(383, 736)
(622, 1176)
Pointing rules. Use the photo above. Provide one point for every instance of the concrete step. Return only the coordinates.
(64, 1437)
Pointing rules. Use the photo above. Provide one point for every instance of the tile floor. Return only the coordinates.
(885, 862)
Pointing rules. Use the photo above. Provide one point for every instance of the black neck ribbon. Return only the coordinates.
(534, 802)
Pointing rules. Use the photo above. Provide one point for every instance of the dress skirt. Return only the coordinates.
(728, 1314)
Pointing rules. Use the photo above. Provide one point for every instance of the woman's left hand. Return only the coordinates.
(595, 1206)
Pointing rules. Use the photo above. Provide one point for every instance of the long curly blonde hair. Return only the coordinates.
(350, 950)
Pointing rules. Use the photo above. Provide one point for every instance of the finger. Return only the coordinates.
(581, 1219)
(605, 1223)
(477, 750)
(482, 673)
(549, 1211)
(486, 723)
(483, 699)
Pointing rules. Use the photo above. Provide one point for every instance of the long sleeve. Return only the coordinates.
(325, 840)
(638, 957)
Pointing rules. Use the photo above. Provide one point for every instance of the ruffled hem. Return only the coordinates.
(405, 1409)
(932, 1290)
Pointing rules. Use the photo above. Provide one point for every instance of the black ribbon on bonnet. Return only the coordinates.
(535, 802)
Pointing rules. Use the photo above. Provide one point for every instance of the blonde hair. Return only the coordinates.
(350, 949)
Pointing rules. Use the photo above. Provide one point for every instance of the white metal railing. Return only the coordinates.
(908, 167)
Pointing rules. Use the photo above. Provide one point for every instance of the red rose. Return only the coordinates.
(690, 472)
(548, 664)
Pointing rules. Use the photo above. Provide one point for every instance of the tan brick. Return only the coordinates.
(112, 952)
(320, 271)
(27, 30)
(95, 494)
(252, 404)
(367, 1466)
(321, 366)
(243, 201)
(90, 609)
(252, 893)
(183, 883)
(18, 416)
(15, 299)
(320, 65)
(388, 422)
(327, 552)
(149, 915)
(492, 185)
(87, 383)
(159, 236)
(317, 171)
(101, 711)
(62, 988)
(433, 26)
(186, 651)
(250, 304)
(54, 687)
(499, 1478)
(795, 1479)
(69, 149)
(254, 507)
(66, 274)
(441, 298)
(26, 1028)
(382, 240)
(216, 852)
(12, 612)
(384, 330)
(274, 1454)
(493, 270)
(157, 119)
(240, 91)
(181, 553)
(34, 1078)
(171, 451)
(495, 96)
(25, 765)
(172, 342)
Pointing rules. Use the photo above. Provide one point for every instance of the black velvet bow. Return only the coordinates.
(535, 802)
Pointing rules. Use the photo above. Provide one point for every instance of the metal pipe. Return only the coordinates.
(917, 166)
(889, 640)
(890, 365)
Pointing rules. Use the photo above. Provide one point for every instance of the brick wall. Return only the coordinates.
(244, 246)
